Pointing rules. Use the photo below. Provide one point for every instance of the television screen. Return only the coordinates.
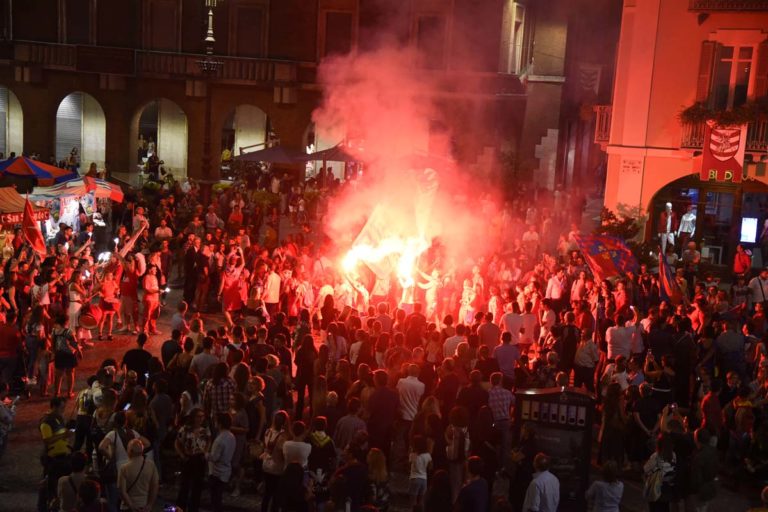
(748, 230)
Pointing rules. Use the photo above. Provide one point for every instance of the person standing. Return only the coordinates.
(501, 400)
(56, 456)
(305, 359)
(605, 495)
(192, 443)
(543, 494)
(506, 356)
(138, 479)
(271, 296)
(474, 495)
(10, 344)
(410, 390)
(151, 301)
(220, 460)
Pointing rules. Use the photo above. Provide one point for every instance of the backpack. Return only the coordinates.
(652, 484)
(61, 341)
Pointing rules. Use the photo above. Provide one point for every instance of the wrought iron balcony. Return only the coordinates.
(757, 137)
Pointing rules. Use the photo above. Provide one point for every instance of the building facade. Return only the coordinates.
(109, 78)
(674, 55)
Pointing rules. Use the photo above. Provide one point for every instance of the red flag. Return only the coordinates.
(723, 152)
(31, 230)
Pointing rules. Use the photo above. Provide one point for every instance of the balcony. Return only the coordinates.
(602, 124)
(757, 137)
(141, 63)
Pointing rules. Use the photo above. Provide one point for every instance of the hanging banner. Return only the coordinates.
(723, 152)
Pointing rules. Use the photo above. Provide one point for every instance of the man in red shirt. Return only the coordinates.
(10, 342)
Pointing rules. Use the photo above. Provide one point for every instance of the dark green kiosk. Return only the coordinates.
(562, 419)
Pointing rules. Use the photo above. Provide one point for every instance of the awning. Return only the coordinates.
(27, 168)
(12, 208)
(79, 187)
(275, 155)
(338, 153)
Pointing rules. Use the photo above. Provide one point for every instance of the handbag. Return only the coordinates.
(256, 448)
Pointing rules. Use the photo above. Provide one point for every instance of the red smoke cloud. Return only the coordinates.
(382, 99)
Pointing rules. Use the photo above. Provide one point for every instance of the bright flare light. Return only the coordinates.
(403, 254)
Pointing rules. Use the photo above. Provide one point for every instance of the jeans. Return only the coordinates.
(503, 427)
(217, 492)
(191, 486)
(271, 483)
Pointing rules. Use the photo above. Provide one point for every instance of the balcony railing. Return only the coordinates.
(757, 136)
(603, 123)
(123, 61)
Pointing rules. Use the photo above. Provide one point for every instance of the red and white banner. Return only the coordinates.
(723, 152)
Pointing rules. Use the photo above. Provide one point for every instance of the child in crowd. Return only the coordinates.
(421, 461)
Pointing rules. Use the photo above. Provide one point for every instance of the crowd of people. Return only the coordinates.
(318, 388)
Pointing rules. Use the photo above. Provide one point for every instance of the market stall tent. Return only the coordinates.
(45, 174)
(12, 208)
(79, 187)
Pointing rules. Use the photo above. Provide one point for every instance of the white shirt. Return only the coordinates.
(419, 464)
(272, 289)
(687, 223)
(449, 347)
(529, 326)
(759, 289)
(511, 323)
(619, 340)
(543, 494)
(411, 390)
(555, 288)
(297, 451)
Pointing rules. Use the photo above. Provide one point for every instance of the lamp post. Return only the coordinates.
(208, 67)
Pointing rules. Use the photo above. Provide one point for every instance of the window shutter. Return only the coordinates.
(69, 125)
(761, 73)
(708, 51)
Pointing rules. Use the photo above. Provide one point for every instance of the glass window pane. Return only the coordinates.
(721, 84)
(742, 82)
(726, 52)
(745, 52)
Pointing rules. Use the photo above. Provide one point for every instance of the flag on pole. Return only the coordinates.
(31, 230)
(669, 289)
(607, 256)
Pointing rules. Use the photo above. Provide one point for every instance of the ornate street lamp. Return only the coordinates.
(209, 67)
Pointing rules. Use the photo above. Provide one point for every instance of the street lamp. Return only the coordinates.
(208, 67)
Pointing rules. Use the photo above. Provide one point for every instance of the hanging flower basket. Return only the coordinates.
(749, 112)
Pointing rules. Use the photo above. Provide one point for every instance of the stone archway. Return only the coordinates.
(82, 126)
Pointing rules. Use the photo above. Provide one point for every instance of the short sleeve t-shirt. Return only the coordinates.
(419, 464)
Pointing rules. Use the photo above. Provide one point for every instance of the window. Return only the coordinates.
(733, 68)
(512, 32)
(78, 21)
(249, 22)
(730, 83)
(430, 41)
(338, 33)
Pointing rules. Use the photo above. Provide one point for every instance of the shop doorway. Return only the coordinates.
(726, 214)
(160, 128)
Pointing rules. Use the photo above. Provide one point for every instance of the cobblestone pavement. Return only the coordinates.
(20, 470)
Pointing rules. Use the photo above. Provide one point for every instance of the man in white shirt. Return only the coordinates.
(271, 296)
(758, 286)
(556, 289)
(619, 339)
(449, 347)
(410, 389)
(543, 494)
(512, 322)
